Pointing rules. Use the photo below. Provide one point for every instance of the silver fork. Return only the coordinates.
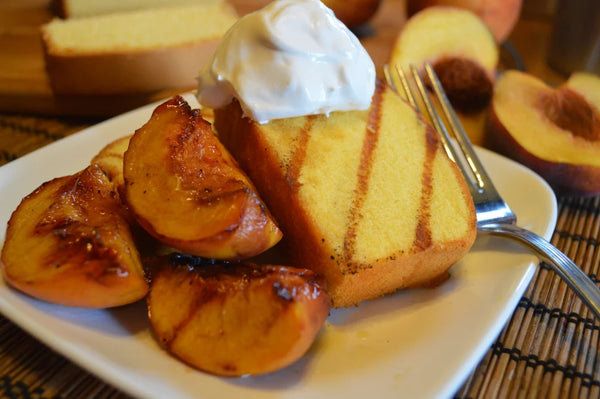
(494, 216)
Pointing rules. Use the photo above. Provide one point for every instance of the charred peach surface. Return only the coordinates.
(555, 132)
(187, 191)
(69, 243)
(235, 319)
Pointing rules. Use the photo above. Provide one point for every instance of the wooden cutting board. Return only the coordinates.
(24, 85)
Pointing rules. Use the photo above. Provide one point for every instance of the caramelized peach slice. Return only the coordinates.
(186, 190)
(69, 243)
(235, 319)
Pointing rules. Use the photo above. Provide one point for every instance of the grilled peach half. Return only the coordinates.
(235, 319)
(69, 243)
(186, 190)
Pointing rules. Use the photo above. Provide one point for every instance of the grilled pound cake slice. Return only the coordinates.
(369, 199)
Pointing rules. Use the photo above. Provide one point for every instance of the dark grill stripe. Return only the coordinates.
(364, 173)
(299, 155)
(423, 231)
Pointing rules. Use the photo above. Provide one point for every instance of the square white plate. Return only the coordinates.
(418, 343)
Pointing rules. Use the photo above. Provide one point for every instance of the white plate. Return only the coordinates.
(414, 344)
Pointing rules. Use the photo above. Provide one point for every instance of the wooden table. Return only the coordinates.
(548, 349)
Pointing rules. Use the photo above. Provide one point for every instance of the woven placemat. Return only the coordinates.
(20, 135)
(548, 349)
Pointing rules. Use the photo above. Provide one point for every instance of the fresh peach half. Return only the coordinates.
(185, 189)
(353, 12)
(554, 131)
(238, 318)
(463, 53)
(499, 15)
(69, 243)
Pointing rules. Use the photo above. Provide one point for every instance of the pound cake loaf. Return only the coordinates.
(88, 8)
(368, 199)
(133, 52)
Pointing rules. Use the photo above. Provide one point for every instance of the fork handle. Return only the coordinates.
(575, 278)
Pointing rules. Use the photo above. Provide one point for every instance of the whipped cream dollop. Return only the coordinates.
(292, 58)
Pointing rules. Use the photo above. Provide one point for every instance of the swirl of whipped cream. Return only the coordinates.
(292, 58)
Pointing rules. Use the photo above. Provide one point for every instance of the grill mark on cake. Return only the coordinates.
(423, 237)
(363, 174)
(299, 154)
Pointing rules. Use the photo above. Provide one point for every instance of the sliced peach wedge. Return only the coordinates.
(110, 160)
(69, 242)
(184, 188)
(555, 132)
(234, 319)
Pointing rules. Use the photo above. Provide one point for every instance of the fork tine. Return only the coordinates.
(406, 88)
(389, 78)
(439, 126)
(481, 177)
(403, 81)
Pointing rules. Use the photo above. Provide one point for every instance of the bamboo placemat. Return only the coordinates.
(548, 349)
